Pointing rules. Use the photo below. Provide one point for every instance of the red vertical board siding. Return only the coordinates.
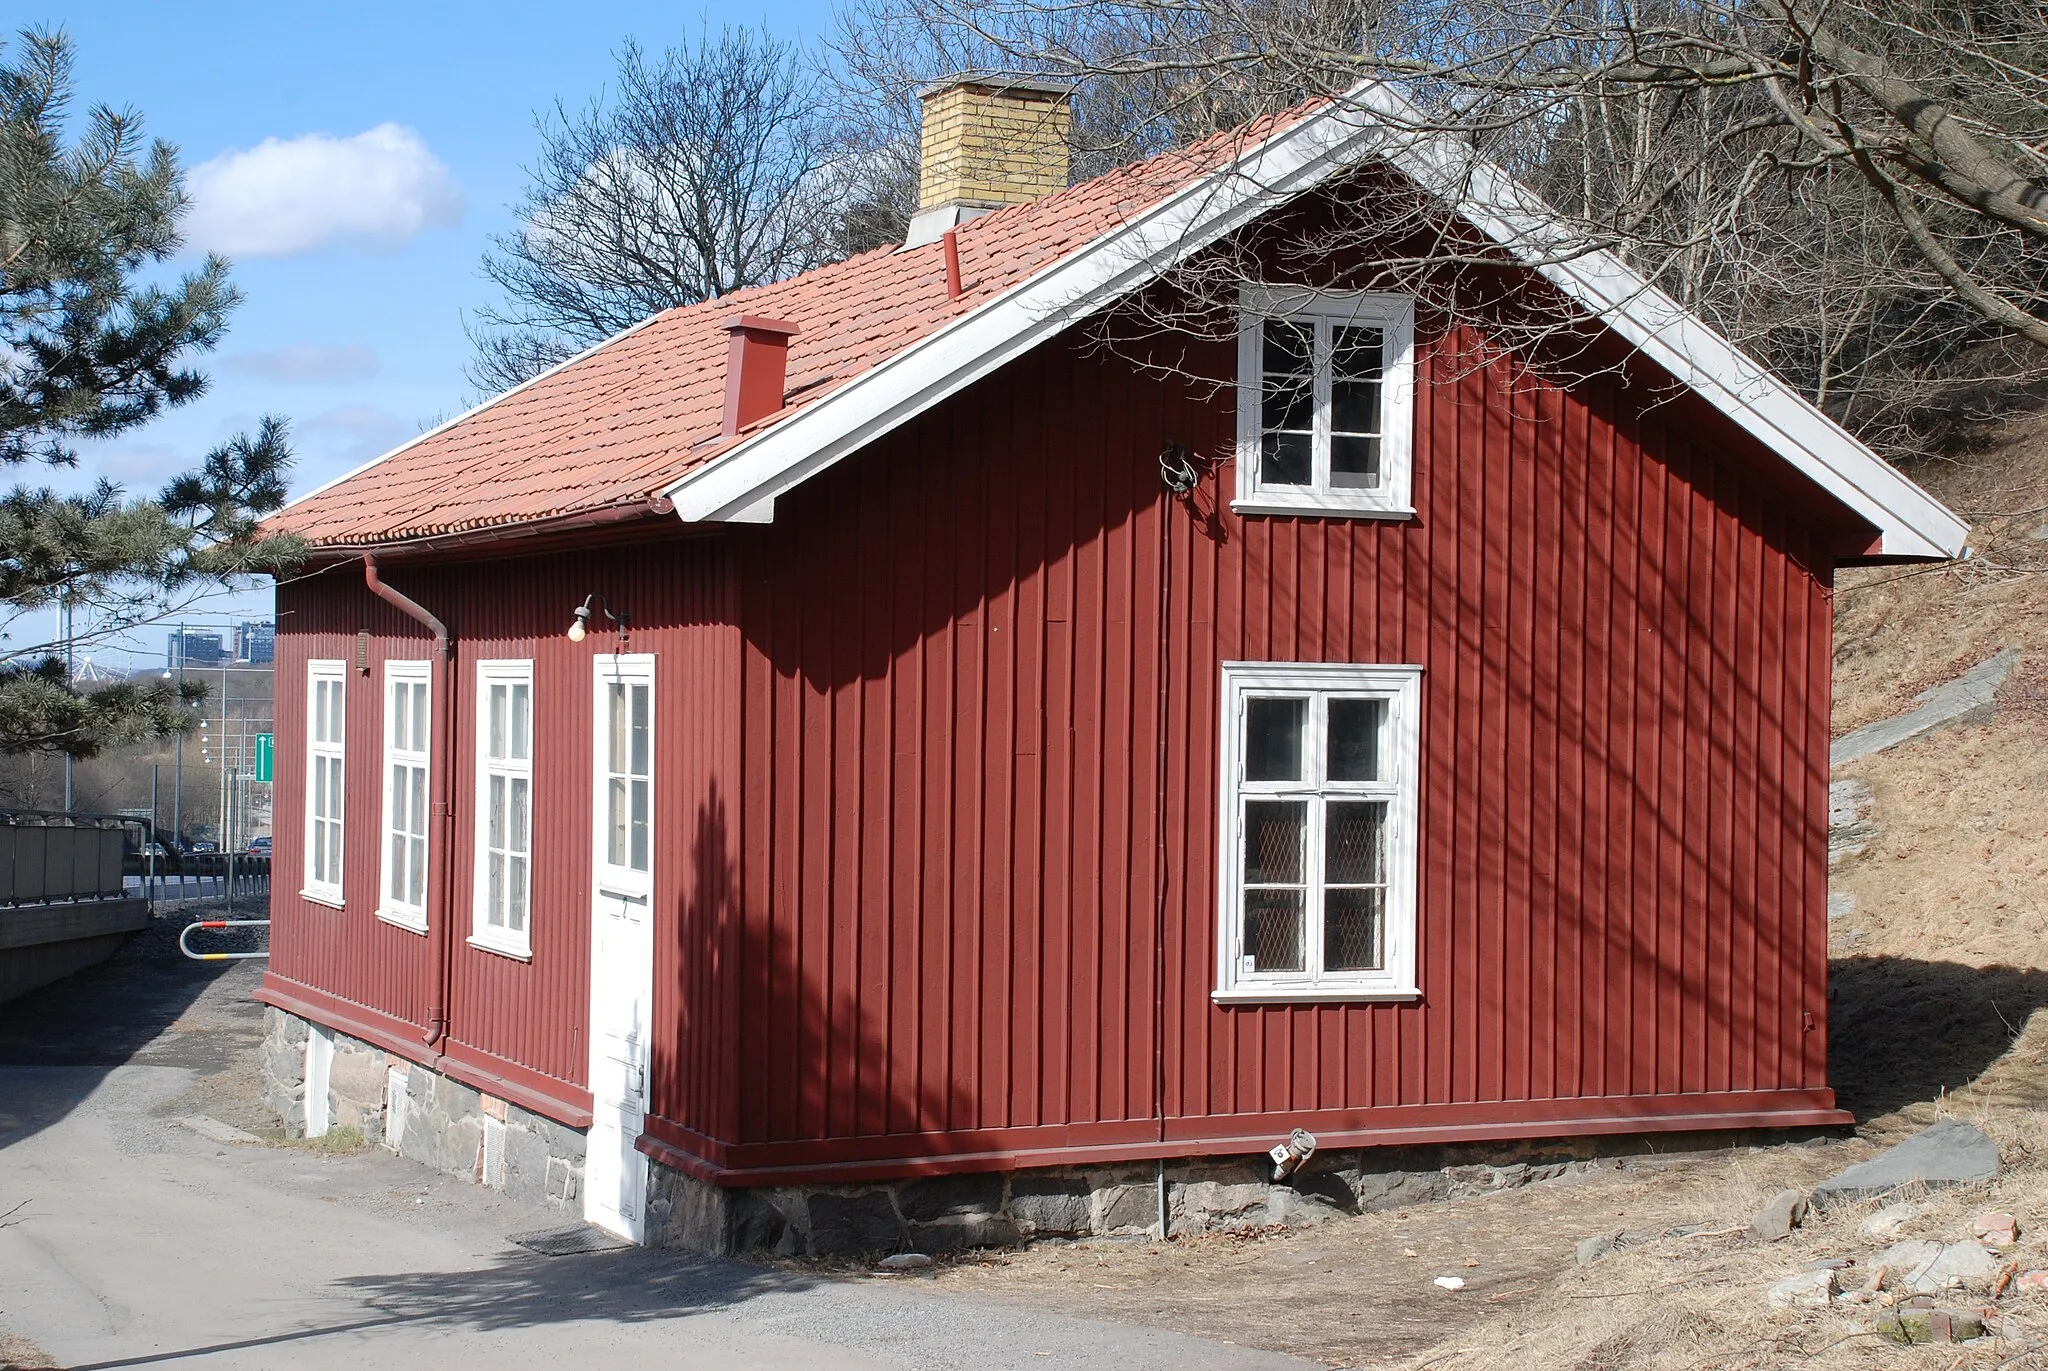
(952, 716)
(530, 1014)
(919, 891)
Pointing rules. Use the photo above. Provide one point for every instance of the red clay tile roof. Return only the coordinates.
(613, 428)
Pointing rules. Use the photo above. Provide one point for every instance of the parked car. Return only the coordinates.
(156, 854)
(202, 845)
(260, 846)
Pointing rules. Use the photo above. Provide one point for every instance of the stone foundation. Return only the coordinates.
(994, 1209)
(417, 1112)
(421, 1114)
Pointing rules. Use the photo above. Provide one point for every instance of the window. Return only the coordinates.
(625, 750)
(1325, 403)
(326, 719)
(1320, 774)
(504, 806)
(407, 709)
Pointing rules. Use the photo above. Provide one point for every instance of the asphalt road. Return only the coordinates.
(129, 1239)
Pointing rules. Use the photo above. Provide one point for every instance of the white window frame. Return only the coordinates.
(409, 671)
(1394, 316)
(1399, 786)
(631, 669)
(494, 937)
(320, 751)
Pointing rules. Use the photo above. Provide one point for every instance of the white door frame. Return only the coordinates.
(615, 1174)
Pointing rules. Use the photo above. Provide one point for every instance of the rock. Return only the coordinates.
(1329, 1188)
(1214, 1206)
(1966, 697)
(853, 1225)
(958, 1232)
(1841, 904)
(1399, 1189)
(1290, 1208)
(1887, 1222)
(1779, 1216)
(1127, 1207)
(1050, 1204)
(943, 1197)
(2031, 1280)
(1829, 1264)
(1997, 1228)
(1961, 1265)
(1904, 1259)
(1926, 1267)
(207, 1126)
(1806, 1290)
(1930, 1325)
(904, 1261)
(1850, 826)
(2039, 535)
(1593, 1249)
(1449, 1282)
(1946, 1152)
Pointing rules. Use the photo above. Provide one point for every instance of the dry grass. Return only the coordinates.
(343, 1142)
(1940, 975)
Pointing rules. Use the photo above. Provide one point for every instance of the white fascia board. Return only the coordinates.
(1119, 261)
(1911, 522)
(1372, 120)
(475, 409)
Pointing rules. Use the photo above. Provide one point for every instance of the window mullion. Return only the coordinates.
(1319, 442)
(1313, 960)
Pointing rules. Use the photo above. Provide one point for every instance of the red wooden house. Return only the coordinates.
(808, 743)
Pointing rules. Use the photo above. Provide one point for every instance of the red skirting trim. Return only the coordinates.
(830, 1161)
(559, 1100)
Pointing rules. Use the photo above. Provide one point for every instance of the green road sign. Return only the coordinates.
(266, 755)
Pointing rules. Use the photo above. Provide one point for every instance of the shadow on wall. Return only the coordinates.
(78, 1029)
(813, 1057)
(1902, 1032)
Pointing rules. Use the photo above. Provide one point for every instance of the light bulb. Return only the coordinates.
(576, 630)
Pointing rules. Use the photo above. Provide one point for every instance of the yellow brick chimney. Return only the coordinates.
(987, 143)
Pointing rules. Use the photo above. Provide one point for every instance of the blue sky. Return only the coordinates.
(355, 160)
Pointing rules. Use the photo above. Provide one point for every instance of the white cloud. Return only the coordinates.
(285, 197)
(310, 363)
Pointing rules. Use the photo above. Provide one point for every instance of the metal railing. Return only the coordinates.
(229, 876)
(212, 925)
(51, 858)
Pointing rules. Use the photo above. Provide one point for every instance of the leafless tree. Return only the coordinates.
(1856, 190)
(711, 168)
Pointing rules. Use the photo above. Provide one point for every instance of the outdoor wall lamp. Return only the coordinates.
(580, 625)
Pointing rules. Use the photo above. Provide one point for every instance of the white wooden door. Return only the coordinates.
(621, 942)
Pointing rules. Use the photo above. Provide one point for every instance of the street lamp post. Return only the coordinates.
(178, 770)
(64, 623)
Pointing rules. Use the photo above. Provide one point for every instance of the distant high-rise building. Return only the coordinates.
(195, 647)
(256, 642)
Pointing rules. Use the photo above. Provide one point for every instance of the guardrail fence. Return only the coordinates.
(49, 858)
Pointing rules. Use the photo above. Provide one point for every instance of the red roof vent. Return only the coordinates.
(756, 364)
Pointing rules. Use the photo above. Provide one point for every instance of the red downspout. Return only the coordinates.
(444, 732)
